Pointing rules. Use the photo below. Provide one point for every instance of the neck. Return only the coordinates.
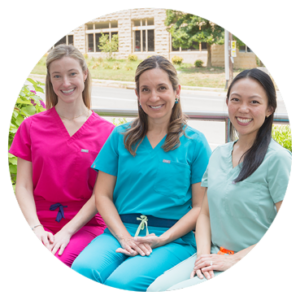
(71, 110)
(158, 126)
(246, 142)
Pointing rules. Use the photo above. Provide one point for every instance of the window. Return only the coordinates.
(143, 35)
(245, 49)
(95, 30)
(67, 39)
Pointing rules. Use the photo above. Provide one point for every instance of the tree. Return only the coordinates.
(188, 30)
(107, 45)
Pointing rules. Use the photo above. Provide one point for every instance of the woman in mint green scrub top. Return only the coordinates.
(148, 189)
(246, 181)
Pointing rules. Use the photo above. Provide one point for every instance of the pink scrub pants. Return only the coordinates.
(78, 242)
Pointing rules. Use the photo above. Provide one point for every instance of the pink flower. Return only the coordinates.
(41, 101)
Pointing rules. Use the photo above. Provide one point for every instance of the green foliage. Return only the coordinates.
(132, 57)
(120, 121)
(108, 46)
(177, 60)
(198, 63)
(188, 30)
(85, 55)
(28, 103)
(283, 136)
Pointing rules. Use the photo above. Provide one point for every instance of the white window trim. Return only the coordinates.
(102, 30)
(140, 28)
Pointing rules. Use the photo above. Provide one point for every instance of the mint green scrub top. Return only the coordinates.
(241, 213)
(154, 182)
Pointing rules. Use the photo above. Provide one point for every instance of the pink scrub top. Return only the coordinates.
(61, 172)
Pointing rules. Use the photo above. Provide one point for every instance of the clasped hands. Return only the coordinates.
(133, 246)
(53, 243)
(205, 264)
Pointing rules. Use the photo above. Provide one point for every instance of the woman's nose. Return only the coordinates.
(66, 81)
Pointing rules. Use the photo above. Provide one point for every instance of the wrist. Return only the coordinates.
(163, 239)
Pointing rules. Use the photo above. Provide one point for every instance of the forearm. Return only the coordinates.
(26, 202)
(203, 234)
(183, 226)
(86, 213)
(111, 217)
(239, 255)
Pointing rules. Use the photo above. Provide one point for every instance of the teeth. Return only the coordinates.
(244, 120)
(69, 91)
(156, 106)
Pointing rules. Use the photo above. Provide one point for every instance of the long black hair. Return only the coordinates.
(254, 156)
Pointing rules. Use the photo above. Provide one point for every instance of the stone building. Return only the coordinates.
(142, 32)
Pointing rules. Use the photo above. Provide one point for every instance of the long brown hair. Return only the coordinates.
(135, 134)
(59, 52)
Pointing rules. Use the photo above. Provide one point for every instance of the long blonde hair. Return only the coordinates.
(139, 127)
(59, 52)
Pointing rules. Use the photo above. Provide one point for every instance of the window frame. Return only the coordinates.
(141, 28)
(94, 31)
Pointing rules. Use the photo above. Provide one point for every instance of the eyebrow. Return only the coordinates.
(254, 96)
(67, 71)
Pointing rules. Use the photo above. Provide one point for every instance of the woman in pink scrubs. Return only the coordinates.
(55, 150)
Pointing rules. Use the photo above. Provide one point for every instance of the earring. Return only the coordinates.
(176, 100)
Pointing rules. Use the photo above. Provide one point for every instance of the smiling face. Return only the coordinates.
(248, 107)
(67, 79)
(156, 95)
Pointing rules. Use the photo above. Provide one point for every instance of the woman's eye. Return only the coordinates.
(255, 102)
(162, 88)
(144, 89)
(73, 74)
(56, 76)
(234, 99)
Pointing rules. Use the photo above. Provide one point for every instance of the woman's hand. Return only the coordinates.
(205, 264)
(44, 236)
(151, 239)
(61, 240)
(131, 248)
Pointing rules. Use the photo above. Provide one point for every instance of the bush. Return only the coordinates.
(132, 57)
(106, 65)
(108, 46)
(116, 67)
(28, 103)
(198, 63)
(85, 55)
(283, 136)
(120, 121)
(177, 60)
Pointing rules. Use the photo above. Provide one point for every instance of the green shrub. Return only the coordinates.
(28, 103)
(198, 63)
(106, 65)
(177, 60)
(85, 55)
(116, 66)
(132, 57)
(283, 136)
(108, 46)
(120, 121)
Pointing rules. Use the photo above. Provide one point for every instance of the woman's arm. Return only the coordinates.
(104, 188)
(183, 226)
(62, 237)
(210, 262)
(24, 194)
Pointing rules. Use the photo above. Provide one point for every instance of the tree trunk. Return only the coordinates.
(208, 56)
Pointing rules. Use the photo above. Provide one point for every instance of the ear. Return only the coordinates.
(227, 101)
(136, 93)
(178, 91)
(85, 74)
(269, 111)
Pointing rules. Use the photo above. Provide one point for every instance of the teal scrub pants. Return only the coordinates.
(179, 276)
(99, 261)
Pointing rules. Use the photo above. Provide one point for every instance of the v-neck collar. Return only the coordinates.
(63, 128)
(238, 166)
(158, 145)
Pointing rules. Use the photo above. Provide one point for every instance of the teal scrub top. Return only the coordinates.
(242, 212)
(154, 182)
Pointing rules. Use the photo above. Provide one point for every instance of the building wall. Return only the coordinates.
(162, 46)
(243, 60)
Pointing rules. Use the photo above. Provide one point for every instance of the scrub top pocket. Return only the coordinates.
(173, 179)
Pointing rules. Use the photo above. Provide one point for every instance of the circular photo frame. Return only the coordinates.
(21, 78)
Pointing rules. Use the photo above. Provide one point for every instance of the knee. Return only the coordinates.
(84, 268)
(158, 285)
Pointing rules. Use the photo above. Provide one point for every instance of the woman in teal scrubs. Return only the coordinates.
(148, 189)
(246, 181)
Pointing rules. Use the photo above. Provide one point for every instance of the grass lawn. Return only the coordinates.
(124, 70)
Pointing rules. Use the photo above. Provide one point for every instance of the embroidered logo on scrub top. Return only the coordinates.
(166, 161)
(85, 150)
